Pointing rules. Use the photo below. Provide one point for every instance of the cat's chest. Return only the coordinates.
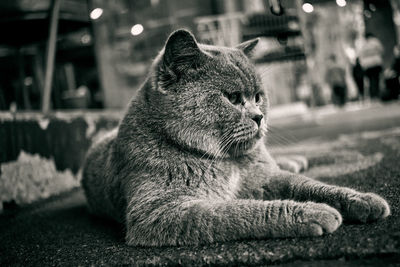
(234, 180)
(223, 182)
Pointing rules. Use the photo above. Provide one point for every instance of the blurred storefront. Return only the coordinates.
(129, 34)
(331, 29)
(104, 48)
(292, 55)
(124, 54)
(24, 47)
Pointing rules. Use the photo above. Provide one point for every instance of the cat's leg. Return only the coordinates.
(353, 205)
(205, 221)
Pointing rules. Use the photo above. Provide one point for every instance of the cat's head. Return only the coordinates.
(208, 98)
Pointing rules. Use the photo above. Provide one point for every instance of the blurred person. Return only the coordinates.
(358, 76)
(371, 61)
(392, 75)
(396, 61)
(335, 77)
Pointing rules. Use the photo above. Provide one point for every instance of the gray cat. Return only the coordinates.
(188, 164)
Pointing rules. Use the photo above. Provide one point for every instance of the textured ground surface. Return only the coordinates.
(59, 231)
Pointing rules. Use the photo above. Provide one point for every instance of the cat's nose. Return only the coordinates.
(257, 118)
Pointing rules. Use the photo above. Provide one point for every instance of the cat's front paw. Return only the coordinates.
(292, 163)
(315, 219)
(366, 207)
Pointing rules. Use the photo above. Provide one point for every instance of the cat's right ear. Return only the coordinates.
(248, 47)
(181, 52)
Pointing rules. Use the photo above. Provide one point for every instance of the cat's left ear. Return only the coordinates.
(181, 55)
(181, 51)
(248, 46)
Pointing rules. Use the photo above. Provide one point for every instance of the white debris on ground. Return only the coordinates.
(32, 178)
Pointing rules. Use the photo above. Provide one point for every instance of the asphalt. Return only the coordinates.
(363, 155)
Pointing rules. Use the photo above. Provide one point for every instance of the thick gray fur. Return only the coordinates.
(186, 166)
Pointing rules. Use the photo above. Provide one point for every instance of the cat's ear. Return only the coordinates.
(181, 51)
(248, 46)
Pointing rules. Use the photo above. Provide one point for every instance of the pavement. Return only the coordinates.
(359, 148)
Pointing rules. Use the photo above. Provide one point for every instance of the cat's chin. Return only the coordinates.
(246, 143)
(244, 147)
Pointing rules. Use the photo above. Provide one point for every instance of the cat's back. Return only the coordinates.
(98, 153)
(96, 176)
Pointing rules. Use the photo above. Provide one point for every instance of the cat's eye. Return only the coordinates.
(257, 98)
(234, 98)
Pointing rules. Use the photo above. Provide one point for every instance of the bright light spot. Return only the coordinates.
(96, 13)
(137, 29)
(293, 25)
(341, 3)
(86, 38)
(308, 8)
(28, 81)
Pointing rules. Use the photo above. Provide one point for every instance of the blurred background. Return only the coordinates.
(94, 54)
(68, 68)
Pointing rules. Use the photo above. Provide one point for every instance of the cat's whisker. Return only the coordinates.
(225, 145)
(284, 139)
(215, 152)
(226, 136)
(220, 151)
(278, 140)
(225, 149)
(265, 70)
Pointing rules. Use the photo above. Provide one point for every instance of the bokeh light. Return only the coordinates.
(86, 39)
(341, 3)
(96, 13)
(308, 8)
(137, 29)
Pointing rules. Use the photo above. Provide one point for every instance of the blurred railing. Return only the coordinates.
(221, 29)
(233, 28)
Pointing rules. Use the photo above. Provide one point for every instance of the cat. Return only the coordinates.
(188, 163)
